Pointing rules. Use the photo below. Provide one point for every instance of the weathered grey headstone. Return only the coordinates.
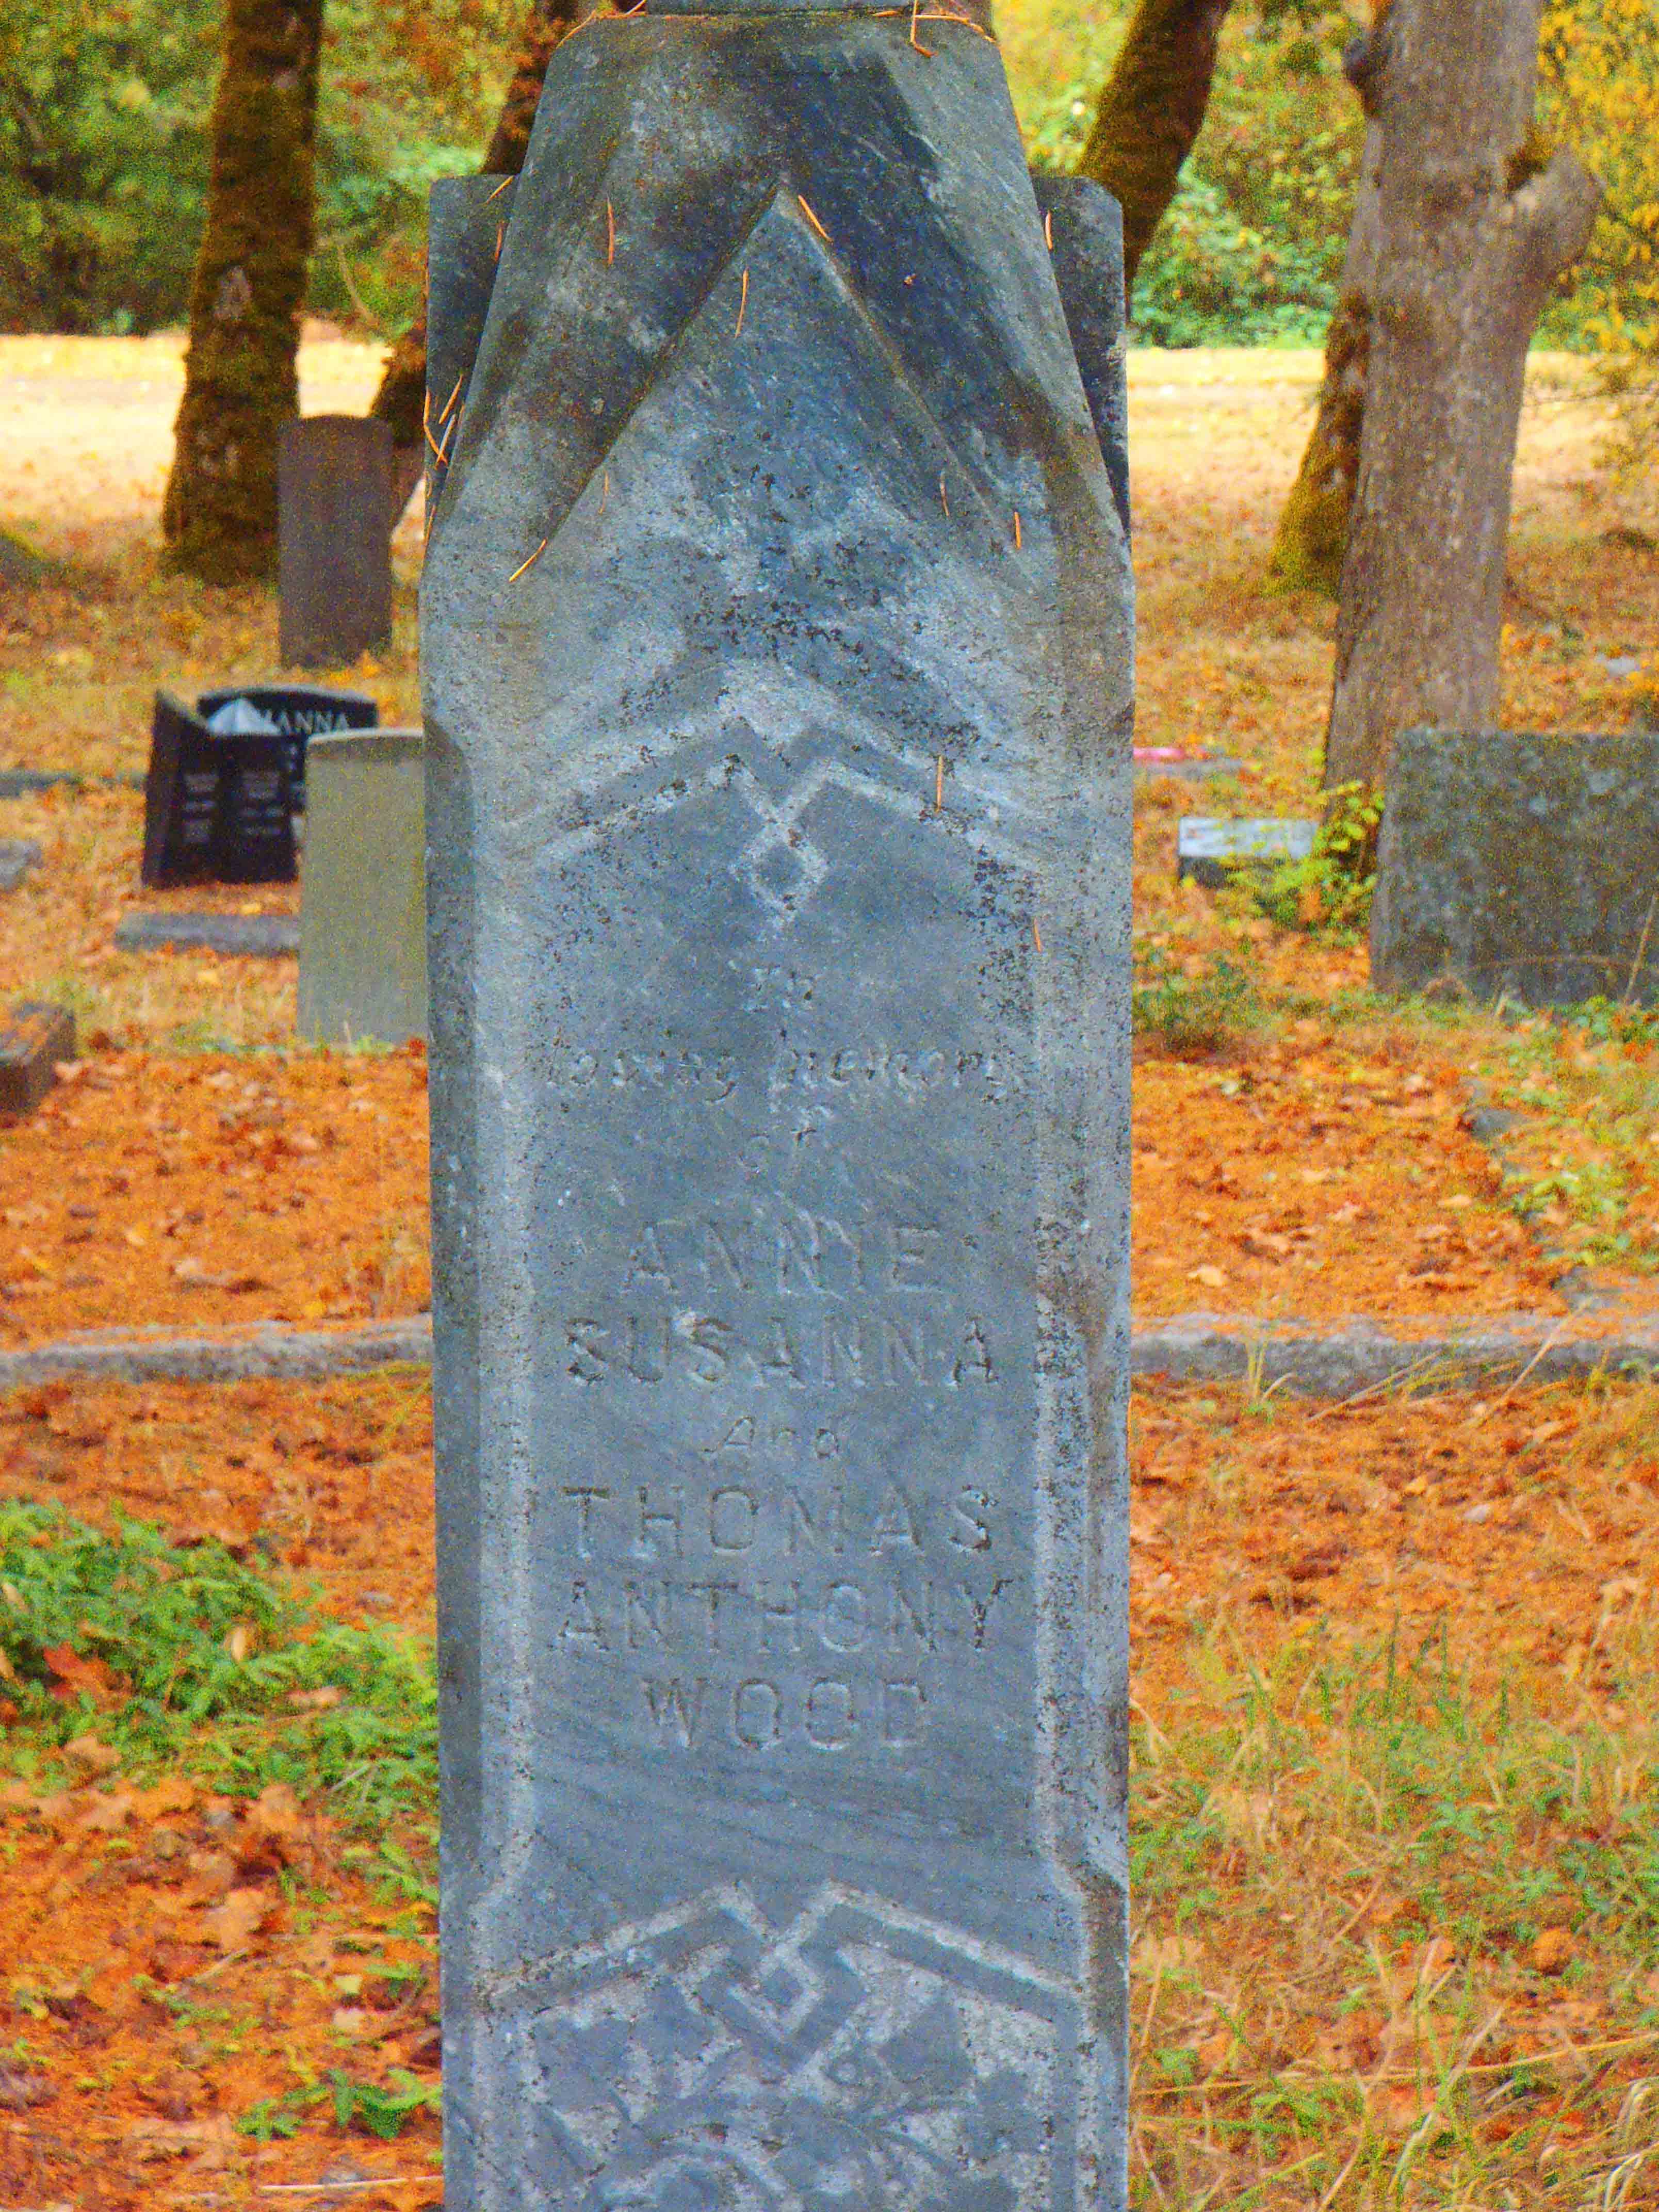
(334, 524)
(1209, 850)
(259, 936)
(776, 656)
(1522, 866)
(363, 889)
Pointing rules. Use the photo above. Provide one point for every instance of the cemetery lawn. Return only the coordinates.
(1396, 1888)
(1397, 1899)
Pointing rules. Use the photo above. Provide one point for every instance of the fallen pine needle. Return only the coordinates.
(1048, 230)
(938, 786)
(915, 10)
(743, 305)
(1037, 933)
(812, 219)
(499, 190)
(604, 491)
(452, 398)
(940, 15)
(1016, 536)
(943, 501)
(437, 450)
(530, 562)
(329, 2188)
(500, 233)
(610, 235)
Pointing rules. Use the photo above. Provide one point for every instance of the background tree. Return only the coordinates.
(220, 514)
(401, 398)
(1313, 530)
(1469, 245)
(1150, 112)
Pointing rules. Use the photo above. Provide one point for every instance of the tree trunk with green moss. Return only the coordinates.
(1150, 112)
(241, 383)
(401, 399)
(1313, 530)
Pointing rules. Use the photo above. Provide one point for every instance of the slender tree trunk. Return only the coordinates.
(401, 398)
(1467, 254)
(1151, 113)
(240, 385)
(1313, 531)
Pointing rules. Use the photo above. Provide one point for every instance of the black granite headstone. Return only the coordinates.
(217, 808)
(334, 482)
(299, 711)
(776, 664)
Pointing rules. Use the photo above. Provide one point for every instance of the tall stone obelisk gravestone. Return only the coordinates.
(777, 642)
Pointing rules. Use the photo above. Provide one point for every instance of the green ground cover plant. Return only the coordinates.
(193, 1657)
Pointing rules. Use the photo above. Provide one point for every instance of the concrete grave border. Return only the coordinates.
(1364, 1356)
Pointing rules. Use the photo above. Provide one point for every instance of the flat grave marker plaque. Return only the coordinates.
(17, 856)
(775, 655)
(1209, 849)
(254, 936)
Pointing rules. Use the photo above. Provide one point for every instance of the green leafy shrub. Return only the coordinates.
(1209, 279)
(1330, 891)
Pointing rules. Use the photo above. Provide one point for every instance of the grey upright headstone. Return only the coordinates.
(776, 652)
(333, 539)
(1520, 865)
(363, 889)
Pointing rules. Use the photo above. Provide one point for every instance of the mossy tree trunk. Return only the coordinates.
(401, 398)
(1150, 112)
(1313, 530)
(1471, 236)
(241, 383)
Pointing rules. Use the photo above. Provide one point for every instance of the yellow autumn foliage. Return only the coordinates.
(1599, 93)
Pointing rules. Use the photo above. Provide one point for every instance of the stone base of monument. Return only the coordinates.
(362, 901)
(255, 935)
(1210, 850)
(32, 1042)
(1520, 866)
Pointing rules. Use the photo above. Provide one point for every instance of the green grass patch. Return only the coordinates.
(187, 1656)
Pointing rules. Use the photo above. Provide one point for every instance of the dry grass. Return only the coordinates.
(1397, 1891)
